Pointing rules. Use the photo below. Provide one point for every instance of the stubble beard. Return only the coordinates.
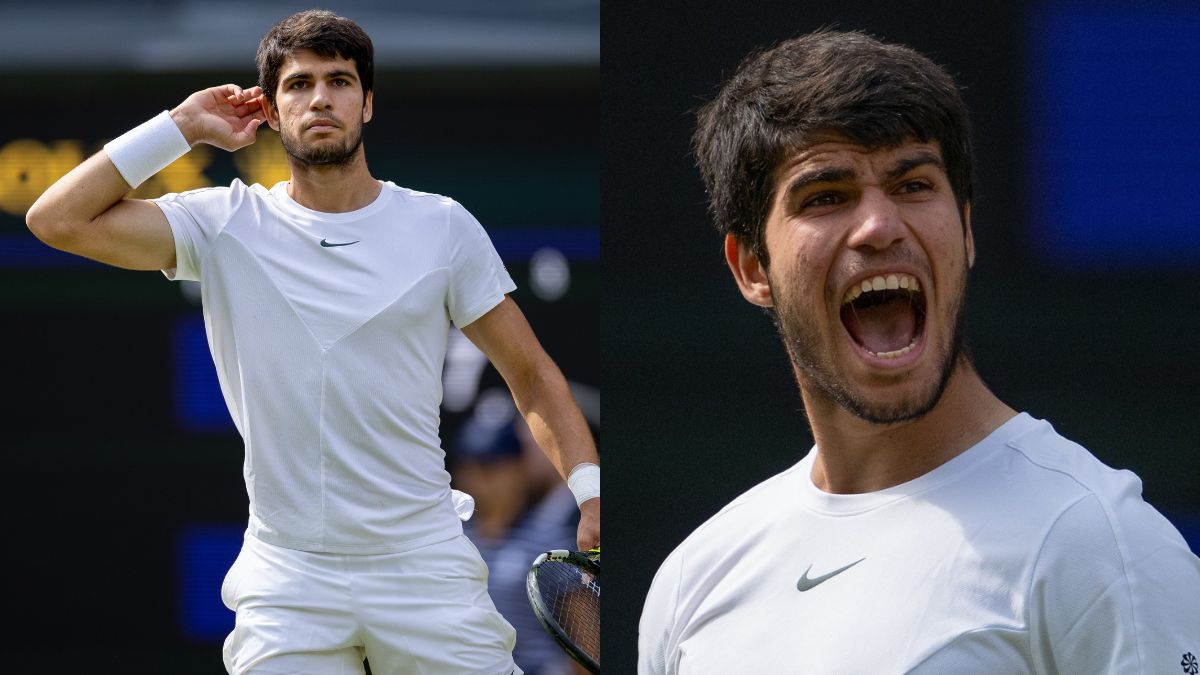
(331, 155)
(814, 366)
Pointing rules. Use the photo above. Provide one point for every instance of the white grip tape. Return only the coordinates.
(584, 481)
(147, 148)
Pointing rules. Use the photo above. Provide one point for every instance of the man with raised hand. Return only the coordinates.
(327, 300)
(932, 528)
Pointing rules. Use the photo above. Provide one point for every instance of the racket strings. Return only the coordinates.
(573, 598)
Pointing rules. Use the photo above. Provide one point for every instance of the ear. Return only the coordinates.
(271, 113)
(969, 238)
(368, 106)
(750, 274)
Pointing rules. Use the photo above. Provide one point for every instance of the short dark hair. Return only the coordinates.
(780, 99)
(322, 32)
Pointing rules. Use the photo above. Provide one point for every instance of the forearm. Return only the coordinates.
(545, 401)
(558, 427)
(85, 212)
(553, 417)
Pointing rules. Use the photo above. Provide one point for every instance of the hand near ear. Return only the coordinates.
(226, 116)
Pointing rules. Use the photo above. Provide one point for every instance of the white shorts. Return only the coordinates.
(423, 612)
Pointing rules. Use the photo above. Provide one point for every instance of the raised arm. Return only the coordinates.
(542, 396)
(86, 213)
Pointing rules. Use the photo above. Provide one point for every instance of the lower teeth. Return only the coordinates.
(897, 353)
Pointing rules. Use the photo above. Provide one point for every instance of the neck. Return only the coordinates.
(333, 188)
(856, 456)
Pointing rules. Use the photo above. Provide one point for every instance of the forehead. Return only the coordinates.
(309, 62)
(836, 152)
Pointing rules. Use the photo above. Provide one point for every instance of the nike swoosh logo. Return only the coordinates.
(807, 584)
(326, 244)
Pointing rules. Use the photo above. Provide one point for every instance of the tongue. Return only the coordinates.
(881, 328)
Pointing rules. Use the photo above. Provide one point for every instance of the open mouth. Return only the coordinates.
(885, 314)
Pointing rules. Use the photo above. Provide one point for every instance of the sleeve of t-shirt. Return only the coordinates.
(196, 218)
(478, 280)
(658, 620)
(1115, 591)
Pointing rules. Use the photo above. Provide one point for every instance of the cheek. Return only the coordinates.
(801, 263)
(948, 256)
(942, 237)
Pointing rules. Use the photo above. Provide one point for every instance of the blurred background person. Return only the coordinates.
(522, 509)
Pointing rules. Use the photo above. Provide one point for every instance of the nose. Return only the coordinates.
(320, 97)
(878, 222)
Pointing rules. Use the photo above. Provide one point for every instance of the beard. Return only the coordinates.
(324, 154)
(813, 364)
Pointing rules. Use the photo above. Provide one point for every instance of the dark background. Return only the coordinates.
(699, 396)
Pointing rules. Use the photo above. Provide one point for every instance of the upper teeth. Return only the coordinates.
(880, 283)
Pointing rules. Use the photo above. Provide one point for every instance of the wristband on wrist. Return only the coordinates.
(584, 481)
(147, 148)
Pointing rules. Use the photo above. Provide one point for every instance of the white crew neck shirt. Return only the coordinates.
(329, 331)
(1024, 554)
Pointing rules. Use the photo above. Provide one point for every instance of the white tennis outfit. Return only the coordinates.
(1024, 554)
(329, 332)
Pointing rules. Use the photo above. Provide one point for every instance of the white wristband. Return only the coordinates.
(147, 149)
(584, 481)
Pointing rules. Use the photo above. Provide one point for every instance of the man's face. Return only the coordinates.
(319, 109)
(868, 269)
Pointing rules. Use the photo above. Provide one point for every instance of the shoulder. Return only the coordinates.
(210, 208)
(1067, 474)
(415, 199)
(740, 525)
(430, 210)
(1099, 527)
(235, 190)
(1109, 579)
(1047, 452)
(416, 196)
(708, 557)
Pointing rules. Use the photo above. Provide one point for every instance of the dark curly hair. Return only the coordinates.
(780, 99)
(322, 32)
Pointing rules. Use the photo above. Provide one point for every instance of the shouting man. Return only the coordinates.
(932, 528)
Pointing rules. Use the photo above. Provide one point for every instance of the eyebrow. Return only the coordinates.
(308, 76)
(828, 175)
(837, 175)
(913, 161)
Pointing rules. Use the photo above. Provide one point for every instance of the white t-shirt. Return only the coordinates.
(329, 333)
(1024, 554)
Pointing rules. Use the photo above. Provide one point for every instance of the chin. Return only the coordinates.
(893, 407)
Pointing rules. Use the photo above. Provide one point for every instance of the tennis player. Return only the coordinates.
(327, 300)
(932, 528)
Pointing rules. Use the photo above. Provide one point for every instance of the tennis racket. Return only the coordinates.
(564, 590)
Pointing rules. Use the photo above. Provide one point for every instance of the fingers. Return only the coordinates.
(237, 97)
(248, 132)
(251, 109)
(587, 541)
(248, 102)
(588, 533)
